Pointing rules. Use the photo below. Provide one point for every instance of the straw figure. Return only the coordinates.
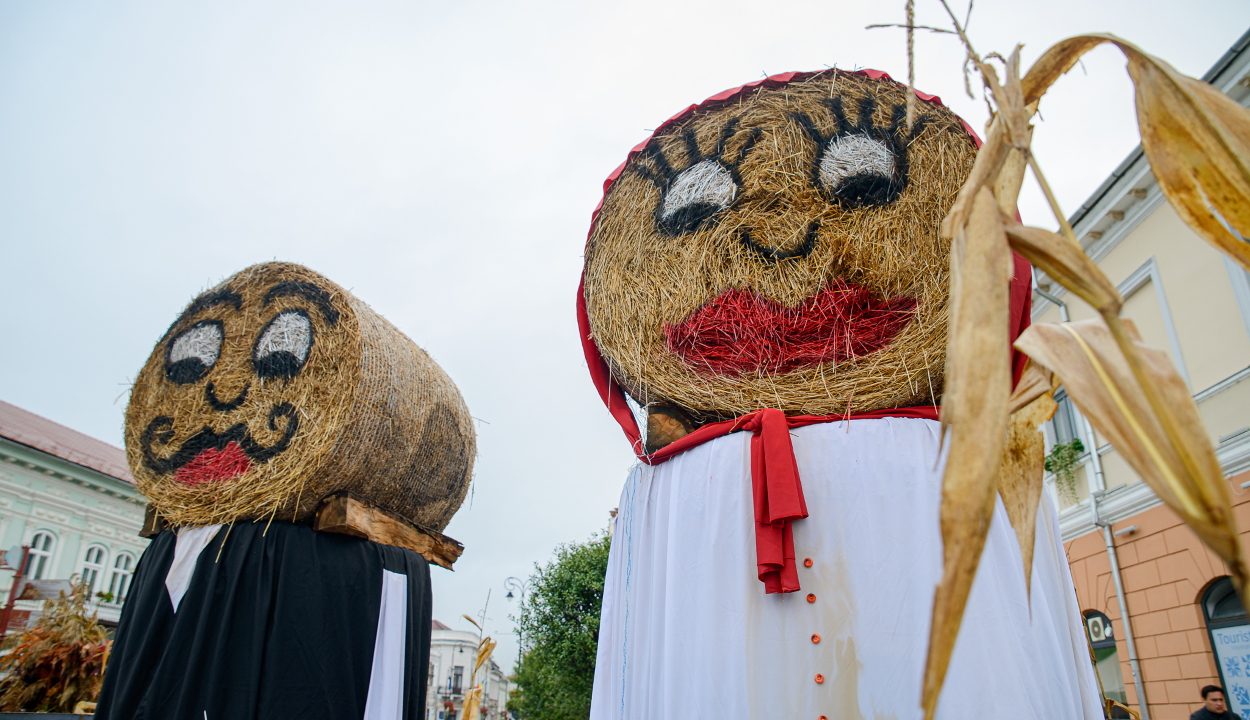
(766, 282)
(301, 456)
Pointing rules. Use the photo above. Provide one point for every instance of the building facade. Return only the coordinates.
(71, 498)
(452, 655)
(1130, 555)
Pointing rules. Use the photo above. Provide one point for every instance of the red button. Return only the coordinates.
(807, 562)
(811, 597)
(815, 637)
(819, 678)
(822, 717)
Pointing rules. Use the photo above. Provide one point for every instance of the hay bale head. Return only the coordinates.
(277, 388)
(780, 249)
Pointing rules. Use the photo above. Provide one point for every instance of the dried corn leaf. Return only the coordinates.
(1198, 143)
(472, 704)
(1034, 382)
(974, 407)
(1196, 138)
(1066, 263)
(484, 651)
(985, 171)
(1099, 380)
(1023, 472)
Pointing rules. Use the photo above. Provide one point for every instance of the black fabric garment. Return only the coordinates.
(276, 624)
(1205, 714)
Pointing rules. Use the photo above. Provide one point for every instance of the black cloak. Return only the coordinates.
(277, 622)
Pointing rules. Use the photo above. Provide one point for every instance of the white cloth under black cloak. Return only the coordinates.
(271, 623)
(687, 630)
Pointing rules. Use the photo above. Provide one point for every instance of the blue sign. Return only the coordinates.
(1232, 652)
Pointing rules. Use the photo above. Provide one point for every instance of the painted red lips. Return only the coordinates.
(214, 464)
(740, 331)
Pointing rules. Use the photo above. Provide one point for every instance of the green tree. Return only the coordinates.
(559, 633)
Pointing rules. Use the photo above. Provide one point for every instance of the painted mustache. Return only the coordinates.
(235, 443)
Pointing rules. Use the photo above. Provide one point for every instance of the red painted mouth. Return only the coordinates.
(740, 331)
(214, 464)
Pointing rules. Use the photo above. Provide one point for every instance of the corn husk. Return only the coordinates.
(1100, 382)
(974, 411)
(1198, 143)
(1022, 474)
(473, 698)
(1196, 138)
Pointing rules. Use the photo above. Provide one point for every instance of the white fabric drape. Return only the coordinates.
(687, 630)
(385, 700)
(187, 548)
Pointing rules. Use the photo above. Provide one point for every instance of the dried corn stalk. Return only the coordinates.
(1198, 144)
(472, 705)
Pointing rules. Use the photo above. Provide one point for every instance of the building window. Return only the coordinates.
(1063, 424)
(1229, 628)
(92, 567)
(123, 570)
(1106, 657)
(38, 563)
(457, 680)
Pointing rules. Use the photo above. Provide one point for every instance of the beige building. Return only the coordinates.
(1185, 630)
(452, 653)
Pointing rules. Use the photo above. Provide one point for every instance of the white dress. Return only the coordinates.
(688, 632)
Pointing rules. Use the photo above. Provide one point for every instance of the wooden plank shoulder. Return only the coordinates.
(347, 514)
(153, 523)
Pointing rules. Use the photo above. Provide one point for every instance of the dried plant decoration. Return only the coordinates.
(278, 388)
(1198, 144)
(978, 387)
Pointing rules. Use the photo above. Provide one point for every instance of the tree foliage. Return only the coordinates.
(57, 663)
(559, 633)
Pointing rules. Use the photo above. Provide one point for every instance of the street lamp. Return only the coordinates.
(515, 584)
(522, 587)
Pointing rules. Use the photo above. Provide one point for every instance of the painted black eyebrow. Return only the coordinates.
(206, 301)
(309, 292)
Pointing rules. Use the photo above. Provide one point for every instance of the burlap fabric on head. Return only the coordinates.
(277, 388)
(779, 248)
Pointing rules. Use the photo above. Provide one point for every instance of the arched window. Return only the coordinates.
(123, 570)
(1229, 627)
(93, 567)
(1106, 657)
(39, 562)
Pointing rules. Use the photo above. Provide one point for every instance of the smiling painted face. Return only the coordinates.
(278, 388)
(780, 249)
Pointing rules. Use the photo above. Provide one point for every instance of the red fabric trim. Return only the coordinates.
(776, 488)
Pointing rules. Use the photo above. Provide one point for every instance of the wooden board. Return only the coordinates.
(153, 524)
(349, 515)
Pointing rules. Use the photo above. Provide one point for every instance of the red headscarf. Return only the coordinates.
(778, 493)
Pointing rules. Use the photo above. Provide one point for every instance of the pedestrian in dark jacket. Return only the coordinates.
(1214, 706)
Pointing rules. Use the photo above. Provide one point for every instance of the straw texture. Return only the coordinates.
(310, 392)
(797, 265)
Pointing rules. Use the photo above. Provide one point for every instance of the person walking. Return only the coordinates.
(1214, 706)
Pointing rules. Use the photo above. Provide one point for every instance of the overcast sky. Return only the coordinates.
(441, 160)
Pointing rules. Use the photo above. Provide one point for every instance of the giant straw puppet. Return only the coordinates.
(765, 279)
(278, 417)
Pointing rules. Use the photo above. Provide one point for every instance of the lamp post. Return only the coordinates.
(521, 587)
(515, 584)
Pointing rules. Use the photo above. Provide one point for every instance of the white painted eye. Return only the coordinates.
(855, 157)
(194, 352)
(284, 344)
(697, 193)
